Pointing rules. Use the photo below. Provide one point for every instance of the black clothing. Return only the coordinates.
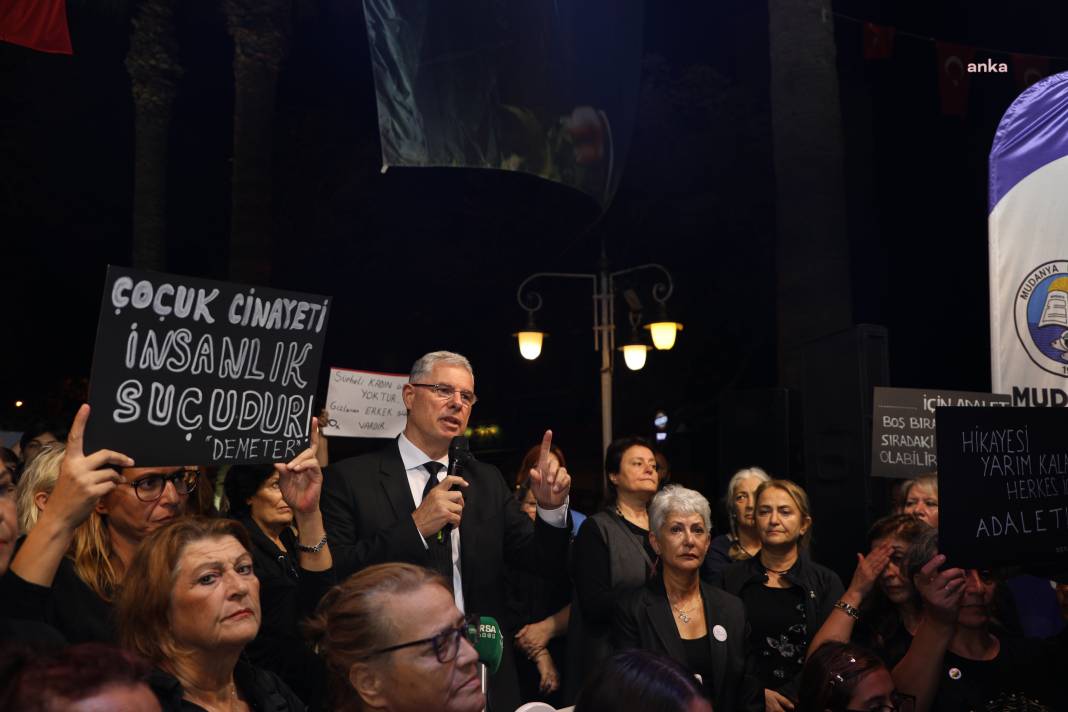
(889, 638)
(263, 691)
(601, 572)
(367, 506)
(288, 594)
(697, 657)
(36, 635)
(819, 588)
(1020, 670)
(68, 605)
(531, 599)
(717, 559)
(644, 620)
(779, 634)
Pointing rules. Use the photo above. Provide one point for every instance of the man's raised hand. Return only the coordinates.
(549, 482)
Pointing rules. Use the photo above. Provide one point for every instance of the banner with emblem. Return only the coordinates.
(1028, 226)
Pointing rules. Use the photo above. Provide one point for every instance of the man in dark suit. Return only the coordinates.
(398, 504)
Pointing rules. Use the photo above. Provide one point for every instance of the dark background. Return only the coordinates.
(422, 259)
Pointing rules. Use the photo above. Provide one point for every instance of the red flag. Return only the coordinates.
(1028, 69)
(953, 77)
(878, 41)
(37, 24)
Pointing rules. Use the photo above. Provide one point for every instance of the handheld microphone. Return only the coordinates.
(459, 452)
(488, 642)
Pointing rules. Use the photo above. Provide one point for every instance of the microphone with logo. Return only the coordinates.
(489, 644)
(459, 454)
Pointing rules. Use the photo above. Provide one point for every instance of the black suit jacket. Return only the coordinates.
(367, 507)
(643, 619)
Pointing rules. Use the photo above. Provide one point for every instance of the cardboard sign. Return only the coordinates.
(193, 371)
(365, 404)
(1003, 485)
(903, 427)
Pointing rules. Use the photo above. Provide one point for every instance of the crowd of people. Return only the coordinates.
(365, 585)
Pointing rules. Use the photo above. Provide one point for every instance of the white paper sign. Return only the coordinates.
(365, 404)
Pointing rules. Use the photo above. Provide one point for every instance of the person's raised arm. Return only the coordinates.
(839, 624)
(550, 484)
(301, 484)
(920, 671)
(83, 480)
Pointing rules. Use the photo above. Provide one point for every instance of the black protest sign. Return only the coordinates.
(193, 371)
(1003, 485)
(903, 427)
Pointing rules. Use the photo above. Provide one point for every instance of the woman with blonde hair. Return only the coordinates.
(36, 484)
(73, 561)
(787, 596)
(743, 540)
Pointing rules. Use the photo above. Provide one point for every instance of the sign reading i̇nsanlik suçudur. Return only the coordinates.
(191, 371)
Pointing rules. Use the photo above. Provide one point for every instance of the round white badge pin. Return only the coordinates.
(954, 674)
(719, 633)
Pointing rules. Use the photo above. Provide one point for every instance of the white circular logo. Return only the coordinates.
(719, 633)
(1041, 316)
(954, 673)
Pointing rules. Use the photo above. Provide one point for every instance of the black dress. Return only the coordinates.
(288, 595)
(262, 690)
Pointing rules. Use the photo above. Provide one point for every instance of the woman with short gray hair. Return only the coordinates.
(678, 615)
(743, 540)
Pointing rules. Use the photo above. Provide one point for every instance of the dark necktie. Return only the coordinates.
(439, 553)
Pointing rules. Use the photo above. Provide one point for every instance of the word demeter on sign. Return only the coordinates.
(193, 371)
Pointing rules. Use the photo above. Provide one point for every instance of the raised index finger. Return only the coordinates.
(77, 430)
(543, 456)
(314, 444)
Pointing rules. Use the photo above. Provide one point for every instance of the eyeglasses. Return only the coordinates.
(446, 392)
(149, 489)
(446, 644)
(898, 703)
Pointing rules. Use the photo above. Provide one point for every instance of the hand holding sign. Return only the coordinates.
(549, 482)
(83, 479)
(301, 480)
(941, 590)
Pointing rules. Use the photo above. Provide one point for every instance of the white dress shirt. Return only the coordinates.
(414, 459)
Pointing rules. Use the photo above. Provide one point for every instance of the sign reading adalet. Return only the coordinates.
(1003, 486)
(903, 427)
(191, 371)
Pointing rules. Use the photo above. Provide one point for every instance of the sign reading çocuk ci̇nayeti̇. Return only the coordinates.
(1003, 485)
(191, 371)
(903, 427)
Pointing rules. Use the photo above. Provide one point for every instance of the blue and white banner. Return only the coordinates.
(1029, 247)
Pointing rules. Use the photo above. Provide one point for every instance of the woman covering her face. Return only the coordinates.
(881, 608)
(679, 616)
(787, 596)
(189, 605)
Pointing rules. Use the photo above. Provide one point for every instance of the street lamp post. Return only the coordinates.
(604, 324)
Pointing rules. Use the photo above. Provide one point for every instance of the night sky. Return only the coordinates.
(422, 259)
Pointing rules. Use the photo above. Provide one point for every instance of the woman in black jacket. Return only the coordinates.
(679, 616)
(288, 592)
(787, 596)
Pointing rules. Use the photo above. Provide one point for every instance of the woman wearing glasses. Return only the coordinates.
(189, 605)
(102, 507)
(393, 640)
(842, 677)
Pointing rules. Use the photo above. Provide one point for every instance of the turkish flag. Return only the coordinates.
(37, 24)
(878, 41)
(1028, 69)
(953, 77)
